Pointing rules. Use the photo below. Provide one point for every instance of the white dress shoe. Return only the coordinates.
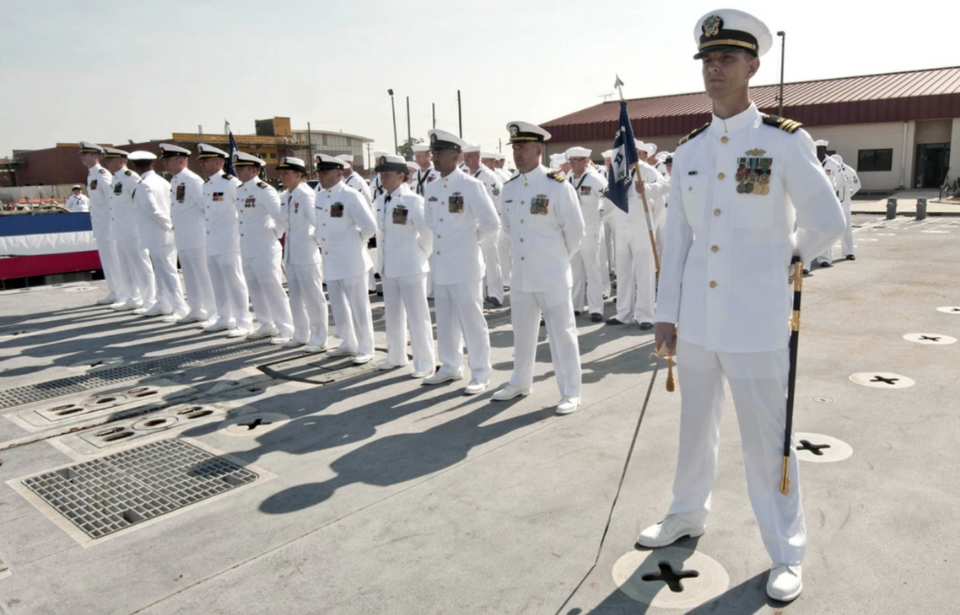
(568, 405)
(476, 387)
(422, 374)
(176, 317)
(156, 310)
(108, 300)
(116, 304)
(263, 333)
(667, 532)
(191, 318)
(785, 582)
(217, 326)
(362, 359)
(292, 344)
(140, 311)
(441, 377)
(509, 392)
(314, 349)
(238, 332)
(386, 366)
(341, 352)
(126, 306)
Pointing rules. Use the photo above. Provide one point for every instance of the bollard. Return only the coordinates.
(891, 209)
(921, 209)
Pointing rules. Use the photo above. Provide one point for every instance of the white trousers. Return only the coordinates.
(608, 258)
(636, 275)
(557, 309)
(107, 249)
(459, 311)
(230, 290)
(137, 272)
(758, 382)
(587, 272)
(846, 240)
(371, 278)
(350, 304)
(405, 306)
(492, 282)
(169, 289)
(506, 254)
(307, 304)
(265, 285)
(196, 277)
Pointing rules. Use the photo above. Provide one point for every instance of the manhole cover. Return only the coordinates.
(671, 577)
(824, 400)
(254, 424)
(111, 493)
(101, 363)
(882, 380)
(930, 338)
(155, 423)
(320, 369)
(104, 401)
(949, 310)
(820, 449)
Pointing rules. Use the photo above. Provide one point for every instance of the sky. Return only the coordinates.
(111, 71)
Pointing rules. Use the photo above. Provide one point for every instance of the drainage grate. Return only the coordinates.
(105, 495)
(18, 396)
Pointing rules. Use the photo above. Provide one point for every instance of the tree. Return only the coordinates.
(406, 148)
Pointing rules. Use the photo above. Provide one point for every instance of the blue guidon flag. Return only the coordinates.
(233, 149)
(624, 159)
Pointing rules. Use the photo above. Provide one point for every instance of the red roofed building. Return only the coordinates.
(896, 129)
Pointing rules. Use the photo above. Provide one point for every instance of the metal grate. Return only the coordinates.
(18, 396)
(111, 493)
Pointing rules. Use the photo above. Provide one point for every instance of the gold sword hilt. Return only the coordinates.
(785, 476)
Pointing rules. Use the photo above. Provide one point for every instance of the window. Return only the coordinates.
(875, 160)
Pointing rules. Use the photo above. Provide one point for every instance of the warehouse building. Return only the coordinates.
(897, 129)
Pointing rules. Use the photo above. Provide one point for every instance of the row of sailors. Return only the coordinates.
(226, 232)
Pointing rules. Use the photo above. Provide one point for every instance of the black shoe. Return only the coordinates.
(494, 302)
(826, 265)
(646, 326)
(379, 293)
(596, 317)
(806, 272)
(576, 313)
(614, 321)
(543, 323)
(851, 257)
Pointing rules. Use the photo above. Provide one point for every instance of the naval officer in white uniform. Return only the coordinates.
(189, 232)
(77, 203)
(223, 244)
(461, 215)
(741, 185)
(489, 248)
(344, 224)
(546, 227)
(589, 187)
(404, 243)
(98, 187)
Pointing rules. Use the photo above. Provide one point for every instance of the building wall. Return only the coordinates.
(848, 140)
(954, 150)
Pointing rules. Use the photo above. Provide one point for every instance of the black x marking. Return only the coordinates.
(885, 380)
(929, 339)
(256, 423)
(674, 580)
(816, 449)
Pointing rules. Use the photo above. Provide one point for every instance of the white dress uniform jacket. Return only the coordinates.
(187, 210)
(357, 183)
(589, 189)
(99, 187)
(221, 218)
(258, 210)
(300, 246)
(344, 224)
(542, 216)
(152, 200)
(403, 237)
(421, 178)
(729, 251)
(461, 215)
(77, 203)
(123, 212)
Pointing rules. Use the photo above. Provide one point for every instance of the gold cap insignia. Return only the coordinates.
(711, 25)
(514, 130)
(433, 138)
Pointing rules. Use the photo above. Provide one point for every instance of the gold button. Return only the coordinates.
(720, 175)
(241, 234)
(690, 188)
(521, 222)
(327, 253)
(525, 184)
(441, 219)
(713, 284)
(521, 240)
(523, 202)
(241, 222)
(208, 232)
(438, 252)
(523, 258)
(323, 239)
(324, 223)
(714, 249)
(716, 212)
(438, 236)
(724, 139)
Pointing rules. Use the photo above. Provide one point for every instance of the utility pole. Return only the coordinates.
(408, 119)
(393, 108)
(368, 158)
(500, 145)
(434, 105)
(459, 114)
(310, 148)
(783, 48)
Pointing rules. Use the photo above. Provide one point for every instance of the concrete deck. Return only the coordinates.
(378, 495)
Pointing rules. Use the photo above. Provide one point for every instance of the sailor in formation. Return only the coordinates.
(98, 187)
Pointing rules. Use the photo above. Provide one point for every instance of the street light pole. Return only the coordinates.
(409, 136)
(393, 108)
(783, 48)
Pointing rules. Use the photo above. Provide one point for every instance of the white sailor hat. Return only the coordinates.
(413, 166)
(728, 29)
(821, 143)
(837, 159)
(328, 163)
(90, 148)
(662, 156)
(521, 132)
(243, 159)
(292, 164)
(649, 148)
(347, 158)
(391, 162)
(112, 152)
(168, 150)
(471, 148)
(500, 156)
(441, 140)
(77, 187)
(421, 147)
(488, 155)
(377, 153)
(208, 151)
(578, 152)
(609, 153)
(141, 155)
